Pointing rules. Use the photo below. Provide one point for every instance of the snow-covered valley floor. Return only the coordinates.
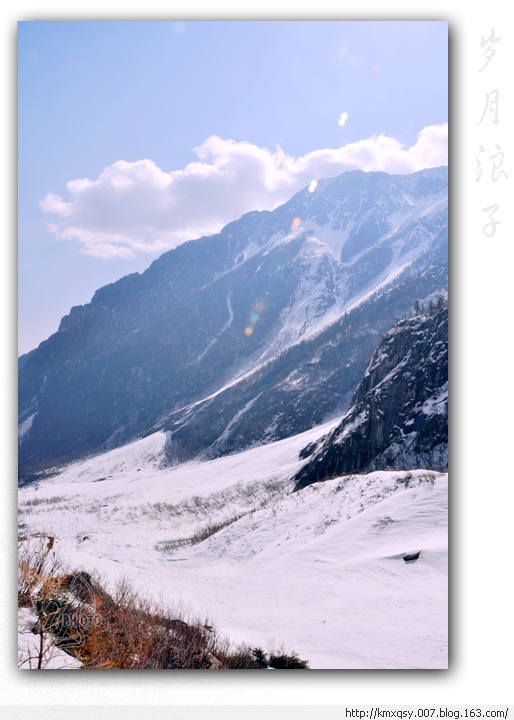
(319, 572)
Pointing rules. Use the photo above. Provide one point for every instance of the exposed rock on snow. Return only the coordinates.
(399, 415)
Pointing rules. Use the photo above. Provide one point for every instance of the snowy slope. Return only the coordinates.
(320, 571)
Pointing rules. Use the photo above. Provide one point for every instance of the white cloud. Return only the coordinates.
(137, 207)
(342, 120)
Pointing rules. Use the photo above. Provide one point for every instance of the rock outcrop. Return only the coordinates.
(399, 414)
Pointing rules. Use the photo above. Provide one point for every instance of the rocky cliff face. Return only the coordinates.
(244, 337)
(399, 414)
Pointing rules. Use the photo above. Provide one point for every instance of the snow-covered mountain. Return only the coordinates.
(242, 338)
(399, 415)
(189, 413)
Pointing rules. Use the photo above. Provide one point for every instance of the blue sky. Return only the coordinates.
(136, 136)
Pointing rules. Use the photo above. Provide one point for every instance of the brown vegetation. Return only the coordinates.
(123, 630)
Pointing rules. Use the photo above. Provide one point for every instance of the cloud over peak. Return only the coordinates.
(135, 207)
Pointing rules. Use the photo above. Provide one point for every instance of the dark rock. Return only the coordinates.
(413, 557)
(399, 414)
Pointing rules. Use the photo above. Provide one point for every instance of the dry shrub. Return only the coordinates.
(37, 561)
(119, 631)
(131, 632)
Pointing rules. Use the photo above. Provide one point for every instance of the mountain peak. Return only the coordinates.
(221, 340)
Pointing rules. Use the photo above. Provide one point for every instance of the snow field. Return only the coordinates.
(320, 571)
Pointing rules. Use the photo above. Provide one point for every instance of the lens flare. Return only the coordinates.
(254, 317)
(248, 331)
(313, 186)
(296, 223)
(342, 120)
